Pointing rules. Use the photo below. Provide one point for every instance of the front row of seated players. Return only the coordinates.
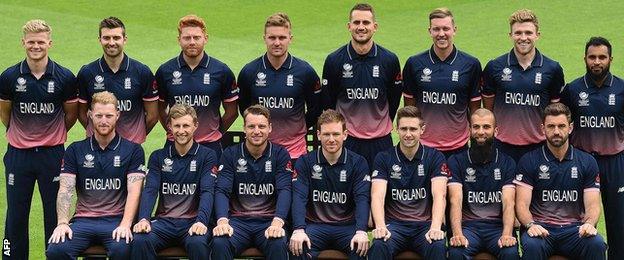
(556, 196)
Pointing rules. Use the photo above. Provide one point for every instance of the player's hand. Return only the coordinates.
(144, 226)
(223, 228)
(198, 229)
(59, 234)
(122, 232)
(359, 243)
(381, 232)
(587, 230)
(459, 240)
(274, 232)
(297, 240)
(537, 230)
(434, 235)
(507, 241)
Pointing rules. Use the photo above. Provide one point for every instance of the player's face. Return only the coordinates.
(524, 36)
(112, 41)
(410, 129)
(37, 45)
(598, 61)
(482, 129)
(332, 136)
(557, 129)
(183, 129)
(192, 41)
(104, 118)
(257, 129)
(277, 39)
(442, 31)
(362, 26)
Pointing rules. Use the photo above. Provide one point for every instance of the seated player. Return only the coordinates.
(182, 177)
(331, 194)
(408, 194)
(106, 171)
(252, 196)
(558, 195)
(482, 194)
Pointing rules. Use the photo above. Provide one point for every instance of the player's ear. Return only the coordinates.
(543, 129)
(495, 131)
(571, 127)
(270, 128)
(344, 135)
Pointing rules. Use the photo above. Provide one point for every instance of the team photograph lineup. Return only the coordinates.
(509, 159)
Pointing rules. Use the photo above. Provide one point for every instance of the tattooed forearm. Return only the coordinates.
(64, 197)
(135, 178)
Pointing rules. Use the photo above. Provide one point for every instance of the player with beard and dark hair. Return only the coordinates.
(595, 100)
(482, 194)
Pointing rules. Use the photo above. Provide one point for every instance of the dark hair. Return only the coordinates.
(598, 41)
(556, 109)
(410, 111)
(362, 7)
(330, 116)
(112, 23)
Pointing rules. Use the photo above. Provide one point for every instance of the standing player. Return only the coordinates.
(362, 81)
(518, 85)
(444, 83)
(598, 115)
(106, 171)
(557, 195)
(252, 196)
(38, 105)
(408, 194)
(331, 194)
(288, 86)
(182, 177)
(482, 195)
(131, 81)
(198, 80)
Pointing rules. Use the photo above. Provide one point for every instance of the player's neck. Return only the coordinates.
(37, 67)
(104, 140)
(183, 149)
(332, 158)
(443, 53)
(409, 152)
(256, 151)
(362, 49)
(192, 62)
(114, 62)
(277, 62)
(525, 60)
(559, 152)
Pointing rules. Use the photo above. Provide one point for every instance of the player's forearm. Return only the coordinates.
(438, 190)
(408, 101)
(206, 198)
(509, 214)
(282, 207)
(150, 121)
(5, 112)
(592, 208)
(378, 212)
(71, 114)
(523, 214)
(67, 184)
(488, 103)
(162, 114)
(135, 183)
(221, 205)
(298, 205)
(456, 217)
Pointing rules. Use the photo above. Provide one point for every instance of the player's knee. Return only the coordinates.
(140, 239)
(510, 253)
(119, 250)
(196, 241)
(456, 253)
(220, 244)
(437, 249)
(532, 243)
(595, 244)
(277, 244)
(57, 251)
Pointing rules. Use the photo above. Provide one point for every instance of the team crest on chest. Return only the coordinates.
(177, 78)
(583, 101)
(455, 76)
(290, 80)
(88, 163)
(193, 166)
(260, 79)
(206, 78)
(497, 174)
(50, 86)
(538, 78)
(544, 174)
(167, 165)
(376, 71)
(346, 70)
(242, 165)
(127, 83)
(470, 175)
(99, 82)
(506, 74)
(574, 172)
(117, 161)
(396, 172)
(426, 75)
(611, 99)
(421, 170)
(21, 85)
(268, 166)
(343, 175)
(317, 172)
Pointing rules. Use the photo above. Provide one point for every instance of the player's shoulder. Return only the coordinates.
(160, 153)
(233, 151)
(253, 65)
(467, 57)
(354, 158)
(132, 146)
(499, 62)
(60, 70)
(298, 62)
(170, 65)
(459, 158)
(533, 158)
(218, 64)
(140, 66)
(89, 67)
(504, 159)
(278, 150)
(582, 155)
(12, 71)
(432, 153)
(385, 52)
(339, 54)
(79, 145)
(418, 58)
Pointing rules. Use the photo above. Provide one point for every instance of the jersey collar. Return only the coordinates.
(450, 59)
(320, 158)
(204, 61)
(268, 151)
(24, 69)
(173, 151)
(420, 154)
(125, 64)
(538, 60)
(113, 145)
(589, 83)
(353, 54)
(549, 156)
(286, 65)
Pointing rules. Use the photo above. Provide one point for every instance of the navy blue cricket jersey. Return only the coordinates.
(482, 184)
(101, 174)
(598, 114)
(248, 187)
(204, 88)
(443, 90)
(331, 194)
(132, 84)
(365, 89)
(521, 95)
(37, 115)
(292, 93)
(558, 187)
(184, 185)
(408, 193)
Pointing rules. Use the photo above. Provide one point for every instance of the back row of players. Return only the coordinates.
(361, 80)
